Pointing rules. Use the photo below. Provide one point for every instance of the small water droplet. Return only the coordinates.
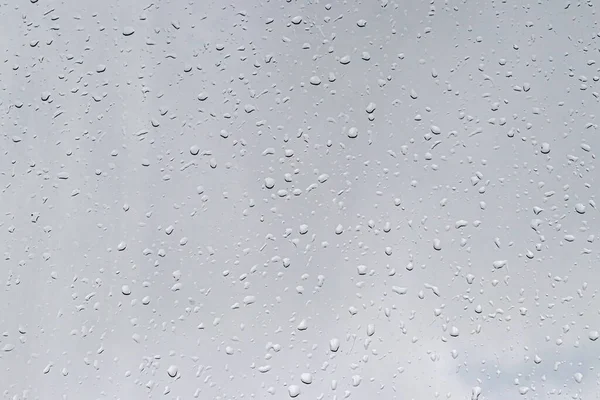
(294, 390)
(334, 345)
(172, 371)
(306, 378)
(545, 148)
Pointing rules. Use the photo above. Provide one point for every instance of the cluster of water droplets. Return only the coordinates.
(299, 199)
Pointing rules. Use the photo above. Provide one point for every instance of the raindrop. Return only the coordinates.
(545, 148)
(269, 183)
(8, 347)
(303, 325)
(294, 390)
(306, 378)
(399, 290)
(523, 390)
(172, 371)
(370, 330)
(334, 345)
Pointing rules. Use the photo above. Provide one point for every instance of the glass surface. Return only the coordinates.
(274, 199)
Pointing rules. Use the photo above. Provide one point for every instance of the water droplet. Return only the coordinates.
(545, 148)
(306, 378)
(8, 347)
(303, 325)
(523, 390)
(172, 371)
(475, 393)
(370, 330)
(399, 290)
(47, 368)
(294, 390)
(334, 345)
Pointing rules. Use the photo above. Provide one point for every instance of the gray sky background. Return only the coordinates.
(217, 190)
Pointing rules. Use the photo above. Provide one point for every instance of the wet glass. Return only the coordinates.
(275, 199)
